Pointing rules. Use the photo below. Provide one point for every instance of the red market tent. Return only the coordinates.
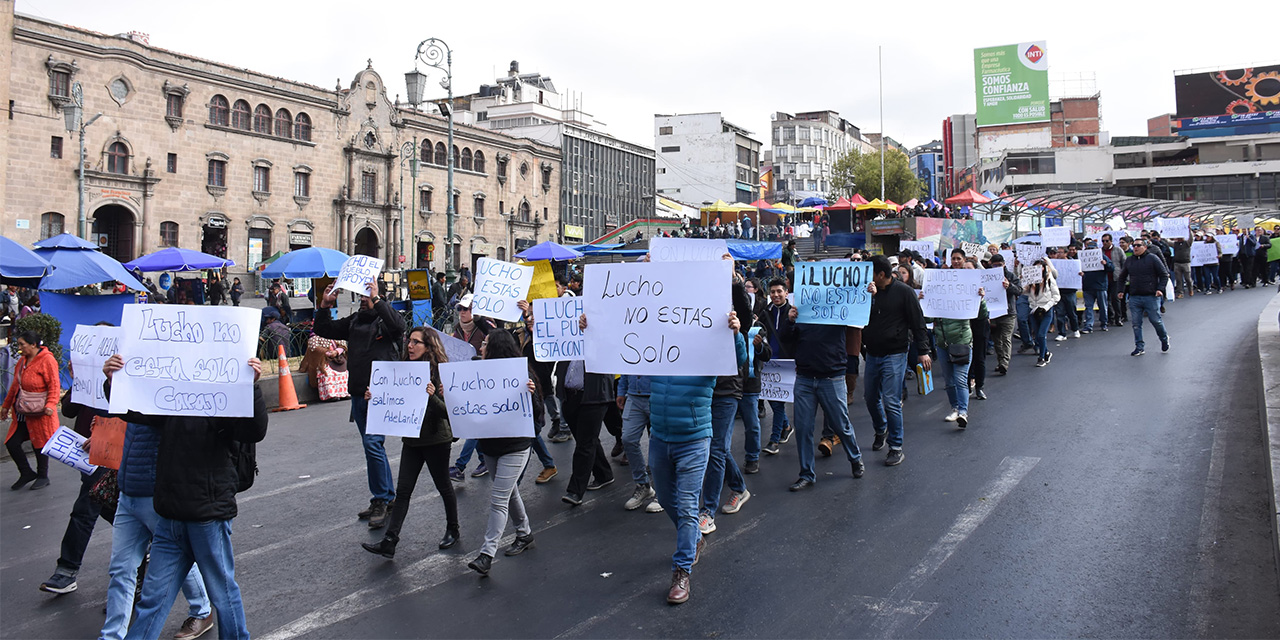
(967, 198)
(857, 199)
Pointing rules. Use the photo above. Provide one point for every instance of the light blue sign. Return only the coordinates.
(833, 293)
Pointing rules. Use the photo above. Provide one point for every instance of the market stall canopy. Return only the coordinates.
(858, 199)
(589, 249)
(761, 204)
(911, 203)
(312, 262)
(876, 204)
(931, 203)
(968, 197)
(80, 267)
(719, 206)
(813, 201)
(65, 241)
(754, 250)
(20, 266)
(549, 251)
(175, 259)
(842, 203)
(893, 204)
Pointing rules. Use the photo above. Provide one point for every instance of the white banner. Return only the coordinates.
(488, 398)
(925, 248)
(399, 398)
(556, 335)
(659, 318)
(778, 380)
(686, 250)
(65, 446)
(91, 345)
(499, 286)
(1230, 244)
(1174, 228)
(993, 289)
(1055, 236)
(1068, 273)
(357, 274)
(951, 293)
(182, 360)
(1203, 253)
(1091, 260)
(1029, 252)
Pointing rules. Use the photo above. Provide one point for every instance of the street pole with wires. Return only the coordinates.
(880, 59)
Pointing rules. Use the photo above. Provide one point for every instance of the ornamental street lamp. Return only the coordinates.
(73, 114)
(433, 52)
(409, 152)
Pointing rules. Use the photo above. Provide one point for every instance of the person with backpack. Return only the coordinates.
(201, 463)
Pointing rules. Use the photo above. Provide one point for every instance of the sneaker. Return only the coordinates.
(895, 458)
(879, 441)
(980, 395)
(1103, 328)
(786, 434)
(772, 449)
(546, 475)
(481, 471)
(457, 475)
(560, 436)
(1048, 356)
(951, 417)
(642, 496)
(858, 468)
(193, 628)
(1164, 345)
(571, 498)
(706, 523)
(736, 500)
(1137, 352)
(1040, 362)
(1075, 335)
(1060, 338)
(653, 507)
(596, 485)
(59, 584)
(752, 466)
(378, 514)
(963, 421)
(1090, 330)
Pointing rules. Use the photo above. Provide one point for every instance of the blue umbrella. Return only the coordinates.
(813, 202)
(21, 266)
(79, 267)
(549, 251)
(65, 241)
(175, 259)
(312, 262)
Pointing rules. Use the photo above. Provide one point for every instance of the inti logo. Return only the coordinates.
(1034, 53)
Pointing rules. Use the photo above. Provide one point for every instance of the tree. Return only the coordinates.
(857, 172)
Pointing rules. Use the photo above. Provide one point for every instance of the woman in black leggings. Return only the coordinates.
(431, 448)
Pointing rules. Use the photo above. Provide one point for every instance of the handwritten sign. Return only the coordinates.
(686, 250)
(65, 447)
(1029, 252)
(925, 248)
(398, 399)
(833, 293)
(543, 284)
(1203, 253)
(1091, 260)
(90, 347)
(499, 286)
(951, 293)
(1175, 227)
(454, 349)
(993, 287)
(555, 329)
(972, 249)
(186, 361)
(358, 274)
(778, 380)
(1009, 256)
(1068, 273)
(1229, 243)
(1055, 236)
(659, 318)
(1030, 274)
(1244, 220)
(107, 444)
(488, 398)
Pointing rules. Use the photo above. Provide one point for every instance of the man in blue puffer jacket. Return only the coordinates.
(131, 533)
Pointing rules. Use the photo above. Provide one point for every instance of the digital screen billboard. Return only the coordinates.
(1229, 92)
(1012, 84)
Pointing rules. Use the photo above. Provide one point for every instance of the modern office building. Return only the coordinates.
(926, 163)
(805, 147)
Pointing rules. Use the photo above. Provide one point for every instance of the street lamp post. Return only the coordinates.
(409, 151)
(433, 52)
(73, 115)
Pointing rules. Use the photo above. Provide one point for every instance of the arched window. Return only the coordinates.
(168, 234)
(477, 163)
(524, 211)
(240, 115)
(51, 224)
(219, 111)
(442, 156)
(456, 156)
(284, 123)
(465, 159)
(370, 92)
(262, 119)
(425, 155)
(118, 158)
(302, 127)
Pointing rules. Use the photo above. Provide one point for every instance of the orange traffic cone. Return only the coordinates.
(288, 396)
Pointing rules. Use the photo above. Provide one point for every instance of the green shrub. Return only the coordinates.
(45, 326)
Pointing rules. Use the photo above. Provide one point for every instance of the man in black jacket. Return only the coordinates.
(374, 333)
(1002, 327)
(1144, 278)
(195, 497)
(896, 320)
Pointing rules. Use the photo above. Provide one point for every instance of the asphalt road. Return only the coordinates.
(1102, 495)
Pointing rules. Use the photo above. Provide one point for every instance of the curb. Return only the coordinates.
(1269, 408)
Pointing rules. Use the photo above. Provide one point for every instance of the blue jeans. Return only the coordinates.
(1040, 331)
(464, 456)
(780, 422)
(1065, 313)
(1024, 321)
(883, 393)
(956, 377)
(678, 471)
(1090, 297)
(135, 521)
(748, 408)
(635, 420)
(381, 483)
(176, 545)
(832, 394)
(1149, 305)
(721, 467)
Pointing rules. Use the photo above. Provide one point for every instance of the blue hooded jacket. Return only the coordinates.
(680, 406)
(138, 461)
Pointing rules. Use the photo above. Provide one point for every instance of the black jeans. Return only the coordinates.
(14, 445)
(436, 458)
(589, 457)
(84, 515)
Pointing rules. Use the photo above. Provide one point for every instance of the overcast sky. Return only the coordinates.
(746, 59)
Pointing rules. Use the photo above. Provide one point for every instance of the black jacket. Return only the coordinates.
(819, 349)
(777, 320)
(1145, 274)
(895, 318)
(373, 335)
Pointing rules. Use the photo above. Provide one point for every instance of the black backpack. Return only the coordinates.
(246, 459)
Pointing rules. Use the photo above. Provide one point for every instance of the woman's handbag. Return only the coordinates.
(958, 353)
(29, 402)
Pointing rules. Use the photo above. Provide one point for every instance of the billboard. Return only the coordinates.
(1012, 84)
(1231, 92)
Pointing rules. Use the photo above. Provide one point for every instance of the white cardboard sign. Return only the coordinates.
(454, 349)
(993, 289)
(1203, 253)
(398, 399)
(1030, 274)
(1175, 227)
(1068, 273)
(925, 248)
(951, 293)
(91, 345)
(1029, 252)
(778, 380)
(659, 318)
(687, 249)
(1230, 244)
(556, 335)
(1091, 260)
(357, 275)
(65, 446)
(488, 398)
(186, 361)
(1055, 236)
(499, 286)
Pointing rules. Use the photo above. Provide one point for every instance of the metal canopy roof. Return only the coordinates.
(1100, 207)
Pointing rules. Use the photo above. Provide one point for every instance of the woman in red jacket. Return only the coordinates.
(37, 374)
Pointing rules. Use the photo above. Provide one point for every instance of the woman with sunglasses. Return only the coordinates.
(431, 448)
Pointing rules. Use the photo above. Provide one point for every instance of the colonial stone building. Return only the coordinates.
(201, 155)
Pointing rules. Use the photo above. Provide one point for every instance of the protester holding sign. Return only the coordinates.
(32, 399)
(1094, 286)
(1042, 297)
(954, 341)
(430, 446)
(896, 322)
(373, 333)
(778, 318)
(473, 330)
(1002, 326)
